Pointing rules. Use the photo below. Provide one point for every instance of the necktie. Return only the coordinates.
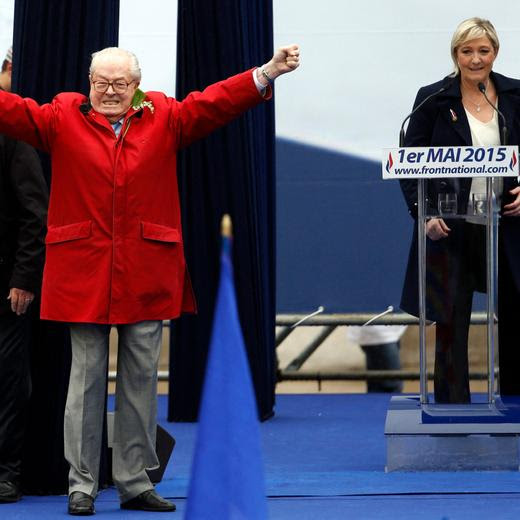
(117, 127)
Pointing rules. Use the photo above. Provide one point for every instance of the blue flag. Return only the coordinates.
(227, 479)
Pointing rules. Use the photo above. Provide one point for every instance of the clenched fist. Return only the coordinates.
(285, 59)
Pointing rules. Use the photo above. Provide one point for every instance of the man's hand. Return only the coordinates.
(513, 209)
(20, 300)
(436, 229)
(285, 59)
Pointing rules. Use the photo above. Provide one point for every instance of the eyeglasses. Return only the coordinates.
(120, 86)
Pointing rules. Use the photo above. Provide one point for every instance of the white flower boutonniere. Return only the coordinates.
(139, 101)
(147, 104)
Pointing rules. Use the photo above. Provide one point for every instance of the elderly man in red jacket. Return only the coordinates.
(114, 246)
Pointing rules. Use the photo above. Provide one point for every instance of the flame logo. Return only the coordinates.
(389, 163)
(513, 162)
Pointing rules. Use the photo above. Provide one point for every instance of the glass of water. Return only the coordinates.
(479, 203)
(447, 203)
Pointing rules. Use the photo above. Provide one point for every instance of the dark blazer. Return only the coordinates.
(434, 125)
(23, 213)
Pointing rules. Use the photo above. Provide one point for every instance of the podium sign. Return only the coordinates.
(450, 161)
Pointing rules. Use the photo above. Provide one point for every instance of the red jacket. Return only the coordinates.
(114, 243)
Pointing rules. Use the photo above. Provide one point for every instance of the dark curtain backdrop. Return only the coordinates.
(53, 41)
(232, 171)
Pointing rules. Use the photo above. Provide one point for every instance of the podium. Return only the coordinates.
(485, 433)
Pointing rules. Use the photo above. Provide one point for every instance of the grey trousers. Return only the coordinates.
(135, 417)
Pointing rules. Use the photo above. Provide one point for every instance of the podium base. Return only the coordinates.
(455, 437)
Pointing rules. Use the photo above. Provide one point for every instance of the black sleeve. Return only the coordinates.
(419, 133)
(29, 188)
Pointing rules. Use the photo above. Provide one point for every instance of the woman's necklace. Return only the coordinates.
(476, 104)
(478, 109)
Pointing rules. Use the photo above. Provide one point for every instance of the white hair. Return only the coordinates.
(113, 52)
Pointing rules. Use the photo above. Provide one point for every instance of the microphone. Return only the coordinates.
(482, 89)
(436, 93)
(319, 310)
(389, 309)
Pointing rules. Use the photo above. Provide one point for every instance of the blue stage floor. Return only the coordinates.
(324, 458)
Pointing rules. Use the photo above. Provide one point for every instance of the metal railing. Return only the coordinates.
(285, 323)
(285, 326)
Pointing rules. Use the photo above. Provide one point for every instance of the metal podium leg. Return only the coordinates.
(421, 255)
(490, 285)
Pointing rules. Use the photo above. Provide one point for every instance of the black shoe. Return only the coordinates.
(81, 504)
(149, 501)
(9, 492)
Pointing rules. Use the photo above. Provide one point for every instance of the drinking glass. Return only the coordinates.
(447, 203)
(479, 203)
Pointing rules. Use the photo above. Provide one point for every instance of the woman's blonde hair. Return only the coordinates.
(471, 29)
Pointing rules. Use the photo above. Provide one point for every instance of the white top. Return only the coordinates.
(483, 134)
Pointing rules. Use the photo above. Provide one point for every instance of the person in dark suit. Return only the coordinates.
(456, 262)
(23, 211)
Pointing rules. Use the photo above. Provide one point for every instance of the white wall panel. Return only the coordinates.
(6, 26)
(363, 62)
(149, 29)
